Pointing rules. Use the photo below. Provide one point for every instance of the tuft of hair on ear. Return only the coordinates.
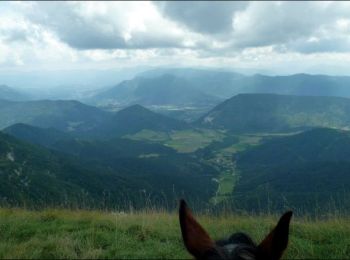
(274, 244)
(246, 255)
(196, 239)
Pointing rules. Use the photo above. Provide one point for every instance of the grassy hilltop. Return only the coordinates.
(91, 234)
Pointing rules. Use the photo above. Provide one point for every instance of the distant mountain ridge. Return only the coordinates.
(136, 118)
(187, 93)
(273, 113)
(62, 115)
(166, 89)
(81, 120)
(299, 84)
(11, 94)
(226, 84)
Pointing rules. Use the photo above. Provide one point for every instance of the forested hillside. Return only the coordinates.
(96, 175)
(308, 172)
(249, 113)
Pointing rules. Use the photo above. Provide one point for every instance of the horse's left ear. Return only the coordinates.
(196, 239)
(274, 244)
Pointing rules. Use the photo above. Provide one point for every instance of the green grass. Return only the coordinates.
(91, 234)
(222, 160)
(184, 141)
(244, 141)
(188, 141)
(226, 184)
(227, 178)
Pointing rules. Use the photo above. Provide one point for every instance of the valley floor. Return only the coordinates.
(91, 234)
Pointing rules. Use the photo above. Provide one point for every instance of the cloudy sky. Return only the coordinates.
(283, 37)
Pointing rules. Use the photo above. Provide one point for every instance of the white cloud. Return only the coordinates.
(116, 34)
(293, 24)
(267, 23)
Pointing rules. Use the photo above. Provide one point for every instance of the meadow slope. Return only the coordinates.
(92, 234)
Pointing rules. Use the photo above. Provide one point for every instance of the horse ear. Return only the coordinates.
(196, 239)
(274, 244)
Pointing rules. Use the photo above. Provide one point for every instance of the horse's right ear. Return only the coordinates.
(196, 239)
(274, 244)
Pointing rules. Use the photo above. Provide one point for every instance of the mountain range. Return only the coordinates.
(133, 119)
(75, 118)
(63, 115)
(285, 151)
(249, 113)
(225, 84)
(165, 90)
(11, 94)
(199, 87)
(206, 87)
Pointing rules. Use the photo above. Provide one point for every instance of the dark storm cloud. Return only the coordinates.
(213, 17)
(80, 31)
(74, 29)
(287, 26)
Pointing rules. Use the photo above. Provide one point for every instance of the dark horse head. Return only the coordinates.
(238, 246)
